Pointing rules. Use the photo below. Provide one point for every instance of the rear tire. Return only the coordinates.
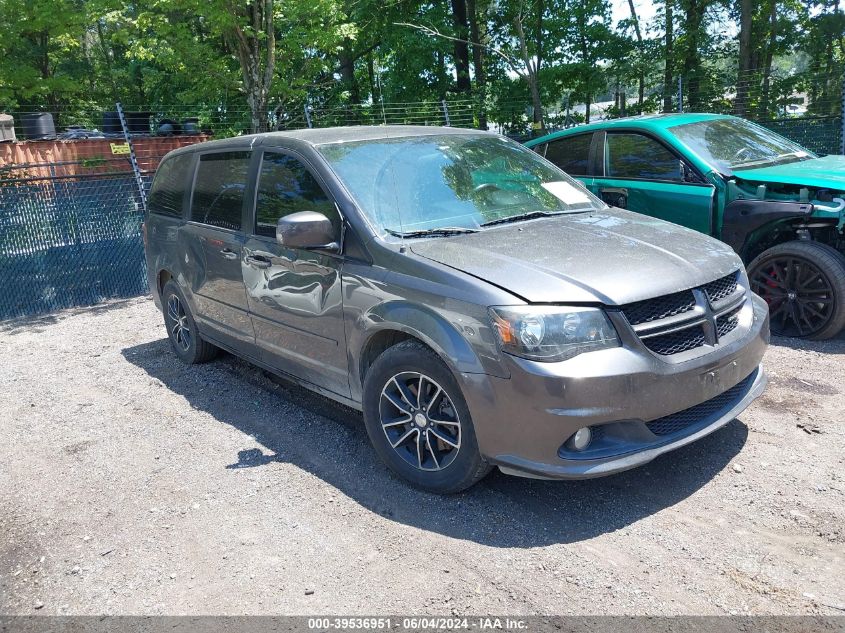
(418, 421)
(804, 284)
(182, 331)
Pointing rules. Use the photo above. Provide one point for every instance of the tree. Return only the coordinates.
(461, 24)
(689, 47)
(746, 13)
(249, 29)
(668, 56)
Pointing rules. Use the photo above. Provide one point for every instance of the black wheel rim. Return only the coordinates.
(179, 330)
(800, 296)
(420, 421)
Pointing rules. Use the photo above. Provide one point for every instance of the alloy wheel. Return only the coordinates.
(800, 296)
(420, 421)
(180, 329)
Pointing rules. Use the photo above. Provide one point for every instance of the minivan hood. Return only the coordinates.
(827, 172)
(611, 256)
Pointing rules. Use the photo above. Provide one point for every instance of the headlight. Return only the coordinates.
(552, 333)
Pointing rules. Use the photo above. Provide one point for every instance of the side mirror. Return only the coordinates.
(306, 230)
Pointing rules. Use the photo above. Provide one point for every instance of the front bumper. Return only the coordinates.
(522, 422)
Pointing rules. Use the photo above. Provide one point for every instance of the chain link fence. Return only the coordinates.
(69, 241)
(70, 220)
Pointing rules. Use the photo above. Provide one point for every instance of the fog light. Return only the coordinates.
(581, 439)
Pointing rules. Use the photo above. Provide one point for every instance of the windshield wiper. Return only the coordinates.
(442, 231)
(530, 216)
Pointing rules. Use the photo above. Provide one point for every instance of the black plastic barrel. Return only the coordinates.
(191, 125)
(38, 125)
(111, 123)
(169, 127)
(138, 122)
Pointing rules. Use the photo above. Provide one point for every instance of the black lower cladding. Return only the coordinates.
(680, 421)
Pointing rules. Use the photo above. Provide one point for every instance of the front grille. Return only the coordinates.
(652, 317)
(721, 288)
(676, 422)
(676, 342)
(727, 323)
(659, 308)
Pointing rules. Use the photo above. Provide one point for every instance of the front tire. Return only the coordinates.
(804, 285)
(182, 331)
(418, 421)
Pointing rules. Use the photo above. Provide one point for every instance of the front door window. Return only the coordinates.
(637, 156)
(285, 186)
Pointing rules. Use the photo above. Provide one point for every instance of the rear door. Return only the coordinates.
(639, 172)
(215, 244)
(294, 295)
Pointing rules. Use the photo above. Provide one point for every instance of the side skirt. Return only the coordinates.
(289, 377)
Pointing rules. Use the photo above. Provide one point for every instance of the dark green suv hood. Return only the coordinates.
(823, 173)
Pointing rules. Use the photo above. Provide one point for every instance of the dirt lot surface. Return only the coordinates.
(130, 483)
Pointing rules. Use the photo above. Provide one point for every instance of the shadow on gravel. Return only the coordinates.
(836, 345)
(36, 323)
(328, 440)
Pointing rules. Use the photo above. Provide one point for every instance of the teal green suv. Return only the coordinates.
(780, 207)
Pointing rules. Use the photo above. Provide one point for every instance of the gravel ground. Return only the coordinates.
(132, 484)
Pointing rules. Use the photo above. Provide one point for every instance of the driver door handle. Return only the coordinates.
(228, 253)
(259, 261)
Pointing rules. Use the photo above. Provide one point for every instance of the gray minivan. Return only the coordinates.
(480, 307)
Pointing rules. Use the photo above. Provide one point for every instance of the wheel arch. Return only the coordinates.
(164, 275)
(752, 226)
(390, 323)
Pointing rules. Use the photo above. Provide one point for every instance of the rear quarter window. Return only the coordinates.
(168, 189)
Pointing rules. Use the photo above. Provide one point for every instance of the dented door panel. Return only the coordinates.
(297, 311)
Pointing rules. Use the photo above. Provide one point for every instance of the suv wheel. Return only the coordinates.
(418, 421)
(181, 328)
(804, 285)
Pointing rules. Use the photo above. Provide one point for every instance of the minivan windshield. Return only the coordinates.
(732, 144)
(452, 183)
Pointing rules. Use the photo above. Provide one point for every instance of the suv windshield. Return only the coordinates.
(445, 184)
(735, 144)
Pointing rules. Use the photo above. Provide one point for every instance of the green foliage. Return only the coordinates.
(178, 57)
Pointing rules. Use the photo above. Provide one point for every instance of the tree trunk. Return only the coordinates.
(668, 79)
(350, 84)
(746, 11)
(459, 18)
(441, 74)
(532, 77)
(255, 48)
(694, 17)
(371, 75)
(539, 7)
(347, 71)
(478, 63)
(640, 58)
(767, 62)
